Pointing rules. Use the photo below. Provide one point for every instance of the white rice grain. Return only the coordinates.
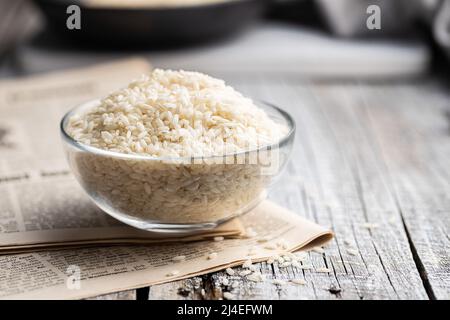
(244, 273)
(370, 226)
(247, 264)
(228, 296)
(256, 277)
(323, 270)
(298, 281)
(178, 258)
(279, 282)
(230, 271)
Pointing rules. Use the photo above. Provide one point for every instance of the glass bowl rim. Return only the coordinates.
(90, 149)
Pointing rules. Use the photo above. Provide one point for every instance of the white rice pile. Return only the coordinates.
(173, 114)
(178, 114)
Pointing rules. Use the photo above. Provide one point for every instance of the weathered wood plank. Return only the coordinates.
(336, 190)
(338, 178)
(414, 140)
(384, 249)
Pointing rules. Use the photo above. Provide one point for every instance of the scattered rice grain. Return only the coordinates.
(251, 233)
(256, 277)
(228, 296)
(285, 264)
(244, 273)
(370, 226)
(298, 281)
(230, 271)
(247, 264)
(212, 255)
(270, 246)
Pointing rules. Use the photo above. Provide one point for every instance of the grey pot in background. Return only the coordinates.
(347, 18)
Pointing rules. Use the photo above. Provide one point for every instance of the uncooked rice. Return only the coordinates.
(244, 273)
(306, 267)
(285, 264)
(250, 233)
(228, 296)
(298, 281)
(279, 282)
(256, 277)
(271, 260)
(178, 258)
(224, 281)
(212, 255)
(230, 271)
(270, 246)
(171, 118)
(323, 270)
(352, 252)
(370, 226)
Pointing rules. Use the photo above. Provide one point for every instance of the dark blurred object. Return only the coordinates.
(122, 27)
(17, 22)
(441, 26)
(304, 12)
(347, 18)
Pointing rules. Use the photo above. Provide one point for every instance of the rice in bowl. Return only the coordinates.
(175, 147)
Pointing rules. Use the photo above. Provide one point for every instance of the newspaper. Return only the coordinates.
(41, 204)
(85, 272)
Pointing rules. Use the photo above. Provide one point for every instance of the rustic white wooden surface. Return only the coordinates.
(365, 156)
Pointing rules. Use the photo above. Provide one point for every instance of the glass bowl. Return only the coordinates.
(175, 194)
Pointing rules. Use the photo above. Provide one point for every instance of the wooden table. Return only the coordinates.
(372, 162)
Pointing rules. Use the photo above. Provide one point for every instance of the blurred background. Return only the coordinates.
(334, 40)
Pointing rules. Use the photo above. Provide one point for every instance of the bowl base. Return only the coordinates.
(176, 228)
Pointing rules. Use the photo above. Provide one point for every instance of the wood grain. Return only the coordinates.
(419, 173)
(370, 163)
